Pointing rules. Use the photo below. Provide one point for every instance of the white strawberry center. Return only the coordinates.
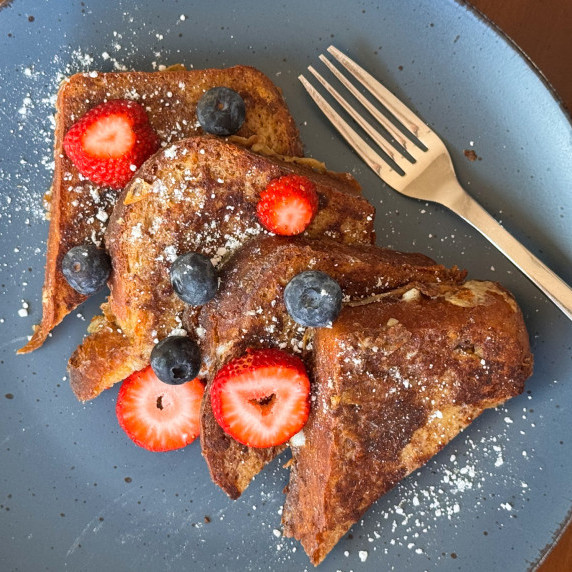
(109, 137)
(291, 212)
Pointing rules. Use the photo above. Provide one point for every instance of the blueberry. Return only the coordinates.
(86, 268)
(313, 299)
(194, 278)
(221, 111)
(176, 360)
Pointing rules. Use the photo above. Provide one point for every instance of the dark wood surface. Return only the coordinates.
(543, 30)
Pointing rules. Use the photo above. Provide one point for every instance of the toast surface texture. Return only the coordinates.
(249, 312)
(199, 194)
(394, 382)
(79, 209)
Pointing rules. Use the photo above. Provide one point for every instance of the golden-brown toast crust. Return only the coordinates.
(394, 382)
(199, 194)
(80, 209)
(249, 312)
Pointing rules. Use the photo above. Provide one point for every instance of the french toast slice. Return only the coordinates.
(248, 311)
(79, 209)
(394, 381)
(199, 194)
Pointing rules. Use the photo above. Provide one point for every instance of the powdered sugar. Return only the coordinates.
(35, 125)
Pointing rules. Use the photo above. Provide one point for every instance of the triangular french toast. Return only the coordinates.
(79, 209)
(199, 194)
(394, 381)
(249, 312)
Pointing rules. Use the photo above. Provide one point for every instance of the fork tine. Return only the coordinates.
(377, 163)
(388, 125)
(375, 135)
(382, 94)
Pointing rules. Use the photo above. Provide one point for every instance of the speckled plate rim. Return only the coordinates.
(544, 552)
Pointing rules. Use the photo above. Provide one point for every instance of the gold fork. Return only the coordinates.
(420, 166)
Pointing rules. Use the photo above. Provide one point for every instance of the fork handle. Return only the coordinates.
(551, 284)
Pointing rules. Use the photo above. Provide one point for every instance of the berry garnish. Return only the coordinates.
(261, 398)
(313, 299)
(288, 205)
(194, 278)
(157, 416)
(110, 142)
(221, 111)
(86, 268)
(176, 360)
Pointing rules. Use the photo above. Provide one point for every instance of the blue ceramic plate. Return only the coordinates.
(76, 494)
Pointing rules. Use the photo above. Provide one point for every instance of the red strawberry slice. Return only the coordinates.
(261, 399)
(288, 205)
(158, 416)
(110, 141)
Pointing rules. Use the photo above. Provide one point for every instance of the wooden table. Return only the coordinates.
(543, 30)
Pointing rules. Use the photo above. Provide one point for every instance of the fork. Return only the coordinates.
(415, 162)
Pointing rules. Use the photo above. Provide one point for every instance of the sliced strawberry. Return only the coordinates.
(261, 399)
(110, 141)
(288, 205)
(158, 416)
